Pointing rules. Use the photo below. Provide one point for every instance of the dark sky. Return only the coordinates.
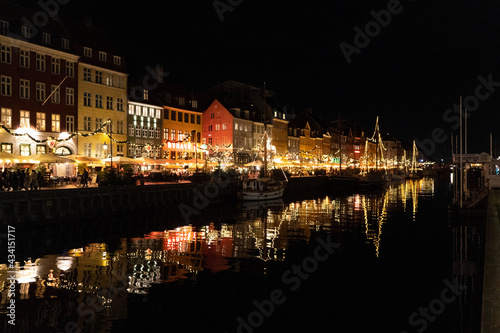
(410, 73)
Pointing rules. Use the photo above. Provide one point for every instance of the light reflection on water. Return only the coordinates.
(261, 231)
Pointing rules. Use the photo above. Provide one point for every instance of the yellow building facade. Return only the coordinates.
(179, 124)
(102, 95)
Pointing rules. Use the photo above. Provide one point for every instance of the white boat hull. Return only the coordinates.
(250, 195)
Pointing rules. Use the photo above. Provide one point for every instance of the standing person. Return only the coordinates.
(15, 180)
(39, 179)
(20, 176)
(27, 180)
(85, 178)
(33, 180)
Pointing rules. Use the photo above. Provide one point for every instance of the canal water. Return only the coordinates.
(390, 260)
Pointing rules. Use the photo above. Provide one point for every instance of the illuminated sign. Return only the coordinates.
(179, 145)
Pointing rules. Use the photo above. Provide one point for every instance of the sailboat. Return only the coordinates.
(263, 188)
(375, 177)
(413, 169)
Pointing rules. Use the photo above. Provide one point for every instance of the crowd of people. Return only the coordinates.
(17, 180)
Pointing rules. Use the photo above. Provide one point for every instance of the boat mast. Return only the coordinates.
(340, 146)
(265, 129)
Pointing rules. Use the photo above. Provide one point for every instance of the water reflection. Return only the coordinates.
(102, 279)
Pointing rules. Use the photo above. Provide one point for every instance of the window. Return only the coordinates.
(87, 52)
(6, 86)
(198, 119)
(119, 150)
(41, 149)
(70, 96)
(130, 109)
(144, 131)
(24, 119)
(192, 118)
(65, 43)
(6, 54)
(24, 59)
(56, 123)
(151, 112)
(6, 117)
(109, 103)
(137, 130)
(186, 117)
(70, 124)
(181, 136)
(198, 137)
(166, 114)
(40, 62)
(98, 101)
(98, 77)
(25, 149)
(46, 38)
(131, 129)
(87, 149)
(4, 27)
(172, 135)
(109, 80)
(56, 66)
(119, 104)
(70, 69)
(217, 127)
(137, 110)
(158, 113)
(151, 132)
(182, 101)
(235, 126)
(25, 32)
(24, 89)
(98, 124)
(157, 132)
(209, 141)
(56, 96)
(173, 115)
(86, 99)
(86, 124)
(131, 150)
(168, 98)
(224, 127)
(40, 121)
(119, 127)
(165, 134)
(102, 56)
(87, 74)
(144, 111)
(109, 126)
(212, 115)
(210, 128)
(117, 60)
(180, 116)
(218, 114)
(194, 104)
(7, 147)
(145, 94)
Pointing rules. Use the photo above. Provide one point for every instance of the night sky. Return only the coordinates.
(411, 72)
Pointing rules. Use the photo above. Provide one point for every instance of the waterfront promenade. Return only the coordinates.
(490, 322)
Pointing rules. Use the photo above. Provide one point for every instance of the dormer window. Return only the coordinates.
(25, 32)
(46, 38)
(117, 60)
(146, 94)
(102, 56)
(87, 52)
(4, 27)
(182, 101)
(65, 43)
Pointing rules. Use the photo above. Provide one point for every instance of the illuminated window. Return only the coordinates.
(7, 147)
(6, 117)
(24, 119)
(130, 109)
(224, 127)
(87, 149)
(41, 149)
(172, 135)
(217, 127)
(40, 121)
(165, 134)
(137, 110)
(56, 123)
(25, 149)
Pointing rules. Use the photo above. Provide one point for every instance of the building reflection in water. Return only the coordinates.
(262, 230)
